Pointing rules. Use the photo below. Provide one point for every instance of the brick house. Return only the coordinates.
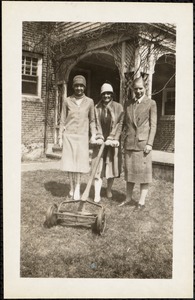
(53, 52)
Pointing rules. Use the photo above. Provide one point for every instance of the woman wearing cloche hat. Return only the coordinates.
(109, 121)
(77, 120)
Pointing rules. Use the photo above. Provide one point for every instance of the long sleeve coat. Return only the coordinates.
(140, 124)
(76, 122)
(113, 155)
(77, 119)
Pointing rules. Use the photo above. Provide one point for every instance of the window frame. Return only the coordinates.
(164, 98)
(39, 74)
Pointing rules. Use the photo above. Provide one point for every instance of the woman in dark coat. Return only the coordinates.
(77, 120)
(109, 121)
(140, 127)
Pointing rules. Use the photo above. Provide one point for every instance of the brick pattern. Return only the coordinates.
(33, 108)
(165, 135)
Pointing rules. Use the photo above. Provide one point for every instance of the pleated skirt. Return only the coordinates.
(138, 166)
(75, 153)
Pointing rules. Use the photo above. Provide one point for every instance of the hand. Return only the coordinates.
(115, 143)
(60, 143)
(147, 149)
(99, 142)
(108, 142)
(93, 140)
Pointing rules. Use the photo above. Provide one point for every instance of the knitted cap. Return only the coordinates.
(106, 87)
(79, 79)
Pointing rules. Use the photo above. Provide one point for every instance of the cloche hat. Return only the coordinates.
(106, 87)
(79, 79)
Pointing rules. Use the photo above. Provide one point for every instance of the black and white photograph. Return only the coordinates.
(102, 153)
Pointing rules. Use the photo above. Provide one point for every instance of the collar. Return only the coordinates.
(78, 97)
(140, 99)
(101, 104)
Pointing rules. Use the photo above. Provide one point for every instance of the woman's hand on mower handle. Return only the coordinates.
(99, 142)
(115, 143)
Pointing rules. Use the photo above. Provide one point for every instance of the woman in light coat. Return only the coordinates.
(77, 120)
(109, 121)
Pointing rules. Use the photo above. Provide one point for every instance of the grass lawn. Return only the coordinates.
(134, 245)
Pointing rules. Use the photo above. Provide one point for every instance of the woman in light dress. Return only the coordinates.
(76, 125)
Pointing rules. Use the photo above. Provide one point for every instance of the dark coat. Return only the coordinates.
(111, 164)
(117, 114)
(140, 124)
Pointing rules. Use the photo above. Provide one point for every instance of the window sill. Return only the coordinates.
(168, 117)
(31, 98)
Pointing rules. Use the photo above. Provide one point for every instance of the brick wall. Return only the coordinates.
(33, 108)
(165, 135)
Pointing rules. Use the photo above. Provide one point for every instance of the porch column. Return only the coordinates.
(57, 107)
(137, 63)
(122, 75)
(150, 71)
(56, 115)
(64, 95)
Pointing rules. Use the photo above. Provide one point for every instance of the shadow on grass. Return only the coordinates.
(117, 196)
(58, 189)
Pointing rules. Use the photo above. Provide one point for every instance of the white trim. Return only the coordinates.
(31, 98)
(39, 74)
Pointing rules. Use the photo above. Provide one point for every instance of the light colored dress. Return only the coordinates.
(77, 119)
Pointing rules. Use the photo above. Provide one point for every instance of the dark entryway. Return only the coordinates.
(163, 85)
(97, 69)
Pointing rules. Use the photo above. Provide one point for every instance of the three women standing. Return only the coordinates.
(105, 122)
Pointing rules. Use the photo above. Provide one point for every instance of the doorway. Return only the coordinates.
(97, 68)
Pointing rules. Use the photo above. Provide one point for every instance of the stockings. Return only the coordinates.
(75, 179)
(143, 192)
(98, 185)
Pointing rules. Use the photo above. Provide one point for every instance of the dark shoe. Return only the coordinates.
(139, 207)
(133, 202)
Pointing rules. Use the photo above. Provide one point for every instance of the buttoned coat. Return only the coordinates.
(113, 155)
(76, 123)
(140, 124)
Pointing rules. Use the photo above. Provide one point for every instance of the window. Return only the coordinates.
(31, 74)
(168, 103)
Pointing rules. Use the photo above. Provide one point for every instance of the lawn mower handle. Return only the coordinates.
(85, 195)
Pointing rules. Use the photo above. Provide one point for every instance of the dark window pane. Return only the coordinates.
(29, 84)
(29, 88)
(35, 60)
(34, 70)
(27, 71)
(170, 108)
